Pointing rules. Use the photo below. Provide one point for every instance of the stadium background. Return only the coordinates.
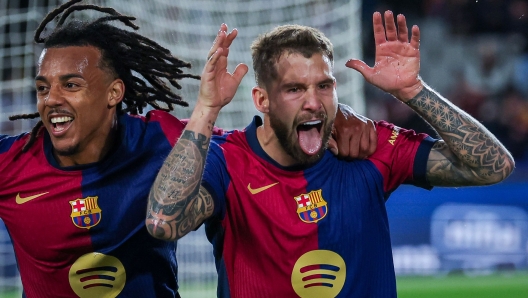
(466, 242)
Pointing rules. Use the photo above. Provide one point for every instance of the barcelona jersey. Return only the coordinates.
(80, 231)
(316, 231)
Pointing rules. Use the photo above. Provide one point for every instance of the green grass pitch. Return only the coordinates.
(514, 285)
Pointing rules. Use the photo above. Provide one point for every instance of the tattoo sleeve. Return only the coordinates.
(177, 203)
(468, 153)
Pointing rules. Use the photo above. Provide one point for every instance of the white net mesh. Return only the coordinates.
(187, 28)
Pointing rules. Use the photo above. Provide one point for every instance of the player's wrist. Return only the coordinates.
(408, 93)
(203, 118)
(205, 111)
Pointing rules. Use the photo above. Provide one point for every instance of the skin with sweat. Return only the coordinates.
(77, 100)
(302, 107)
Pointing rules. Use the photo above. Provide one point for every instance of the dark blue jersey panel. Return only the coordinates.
(7, 141)
(89, 221)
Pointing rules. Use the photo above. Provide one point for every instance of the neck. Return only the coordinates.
(270, 144)
(95, 151)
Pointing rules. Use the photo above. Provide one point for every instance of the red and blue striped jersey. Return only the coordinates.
(317, 231)
(80, 231)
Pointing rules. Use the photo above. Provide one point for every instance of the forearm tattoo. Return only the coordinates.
(177, 204)
(468, 154)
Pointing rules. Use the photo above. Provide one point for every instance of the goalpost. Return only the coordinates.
(187, 28)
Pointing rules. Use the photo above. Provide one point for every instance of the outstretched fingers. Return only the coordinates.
(361, 67)
(389, 31)
(415, 38)
(222, 39)
(210, 66)
(403, 33)
(390, 26)
(240, 71)
(231, 36)
(379, 30)
(217, 43)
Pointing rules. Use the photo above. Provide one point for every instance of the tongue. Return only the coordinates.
(309, 140)
(60, 126)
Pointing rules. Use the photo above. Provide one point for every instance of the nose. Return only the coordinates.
(312, 101)
(54, 97)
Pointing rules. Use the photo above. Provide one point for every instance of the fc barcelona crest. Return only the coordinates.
(311, 207)
(85, 212)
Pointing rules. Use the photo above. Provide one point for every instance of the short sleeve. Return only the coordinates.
(216, 178)
(401, 156)
(171, 126)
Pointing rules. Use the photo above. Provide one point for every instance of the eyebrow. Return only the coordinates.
(327, 81)
(290, 85)
(62, 78)
(295, 84)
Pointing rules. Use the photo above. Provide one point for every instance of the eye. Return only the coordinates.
(325, 86)
(70, 85)
(293, 90)
(41, 88)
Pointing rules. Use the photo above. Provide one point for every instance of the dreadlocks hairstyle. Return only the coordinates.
(144, 66)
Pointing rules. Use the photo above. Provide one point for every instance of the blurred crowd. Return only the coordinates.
(475, 53)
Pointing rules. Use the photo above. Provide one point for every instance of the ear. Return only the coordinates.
(260, 99)
(116, 92)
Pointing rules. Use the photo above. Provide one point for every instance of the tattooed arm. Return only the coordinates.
(177, 203)
(468, 154)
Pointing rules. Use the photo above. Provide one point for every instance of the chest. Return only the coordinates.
(72, 211)
(324, 201)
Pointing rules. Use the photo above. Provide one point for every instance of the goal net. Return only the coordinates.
(187, 28)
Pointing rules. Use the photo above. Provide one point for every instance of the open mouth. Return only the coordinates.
(309, 134)
(60, 124)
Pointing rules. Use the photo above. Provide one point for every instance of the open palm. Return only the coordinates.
(397, 60)
(218, 86)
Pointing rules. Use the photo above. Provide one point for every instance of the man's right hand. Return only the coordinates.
(217, 85)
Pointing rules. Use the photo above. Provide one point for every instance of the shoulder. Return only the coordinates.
(391, 136)
(163, 118)
(235, 137)
(156, 122)
(154, 116)
(401, 154)
(390, 131)
(231, 147)
(8, 143)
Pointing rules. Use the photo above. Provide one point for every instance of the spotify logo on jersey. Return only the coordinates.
(319, 273)
(97, 275)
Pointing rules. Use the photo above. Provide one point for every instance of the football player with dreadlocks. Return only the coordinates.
(74, 189)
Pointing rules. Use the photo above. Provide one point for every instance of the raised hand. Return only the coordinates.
(397, 60)
(218, 86)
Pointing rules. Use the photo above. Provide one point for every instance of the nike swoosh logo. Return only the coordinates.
(21, 200)
(255, 191)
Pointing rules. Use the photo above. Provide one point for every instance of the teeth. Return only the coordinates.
(312, 122)
(58, 128)
(61, 119)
